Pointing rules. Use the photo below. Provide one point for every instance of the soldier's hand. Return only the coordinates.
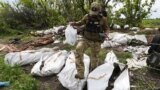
(106, 36)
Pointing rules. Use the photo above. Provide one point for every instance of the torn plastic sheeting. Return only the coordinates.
(67, 75)
(50, 65)
(137, 49)
(139, 56)
(99, 78)
(111, 58)
(27, 57)
(136, 64)
(71, 35)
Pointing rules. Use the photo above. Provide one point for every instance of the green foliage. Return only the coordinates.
(142, 81)
(134, 11)
(17, 77)
(30, 14)
(122, 56)
(68, 47)
(151, 23)
(39, 14)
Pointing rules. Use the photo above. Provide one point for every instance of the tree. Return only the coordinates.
(134, 11)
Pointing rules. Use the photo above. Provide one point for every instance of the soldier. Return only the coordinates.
(96, 30)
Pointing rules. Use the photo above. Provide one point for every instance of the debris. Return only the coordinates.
(4, 84)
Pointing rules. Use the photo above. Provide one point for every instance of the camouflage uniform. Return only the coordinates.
(90, 40)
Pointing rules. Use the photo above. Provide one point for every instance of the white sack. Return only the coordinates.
(111, 58)
(99, 78)
(107, 44)
(122, 82)
(51, 65)
(67, 75)
(27, 57)
(71, 35)
(136, 64)
(141, 38)
(56, 29)
(121, 38)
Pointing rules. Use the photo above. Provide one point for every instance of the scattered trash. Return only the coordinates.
(139, 54)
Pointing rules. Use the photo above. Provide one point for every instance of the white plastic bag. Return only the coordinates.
(27, 57)
(50, 65)
(67, 75)
(71, 35)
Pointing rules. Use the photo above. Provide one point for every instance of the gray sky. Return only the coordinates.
(156, 7)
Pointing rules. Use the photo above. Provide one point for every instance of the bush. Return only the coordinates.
(17, 77)
(25, 14)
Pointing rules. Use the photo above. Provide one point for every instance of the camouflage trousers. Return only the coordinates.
(81, 47)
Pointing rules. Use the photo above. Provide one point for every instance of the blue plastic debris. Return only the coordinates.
(4, 84)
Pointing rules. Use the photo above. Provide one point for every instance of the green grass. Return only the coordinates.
(122, 56)
(151, 23)
(18, 79)
(141, 81)
(24, 36)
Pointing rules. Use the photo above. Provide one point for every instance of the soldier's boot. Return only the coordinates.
(79, 76)
(79, 66)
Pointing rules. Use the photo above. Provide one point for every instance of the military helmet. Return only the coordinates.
(95, 8)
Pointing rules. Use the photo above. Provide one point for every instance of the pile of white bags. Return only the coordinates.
(98, 79)
(71, 35)
(117, 39)
(50, 65)
(49, 31)
(67, 75)
(27, 57)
